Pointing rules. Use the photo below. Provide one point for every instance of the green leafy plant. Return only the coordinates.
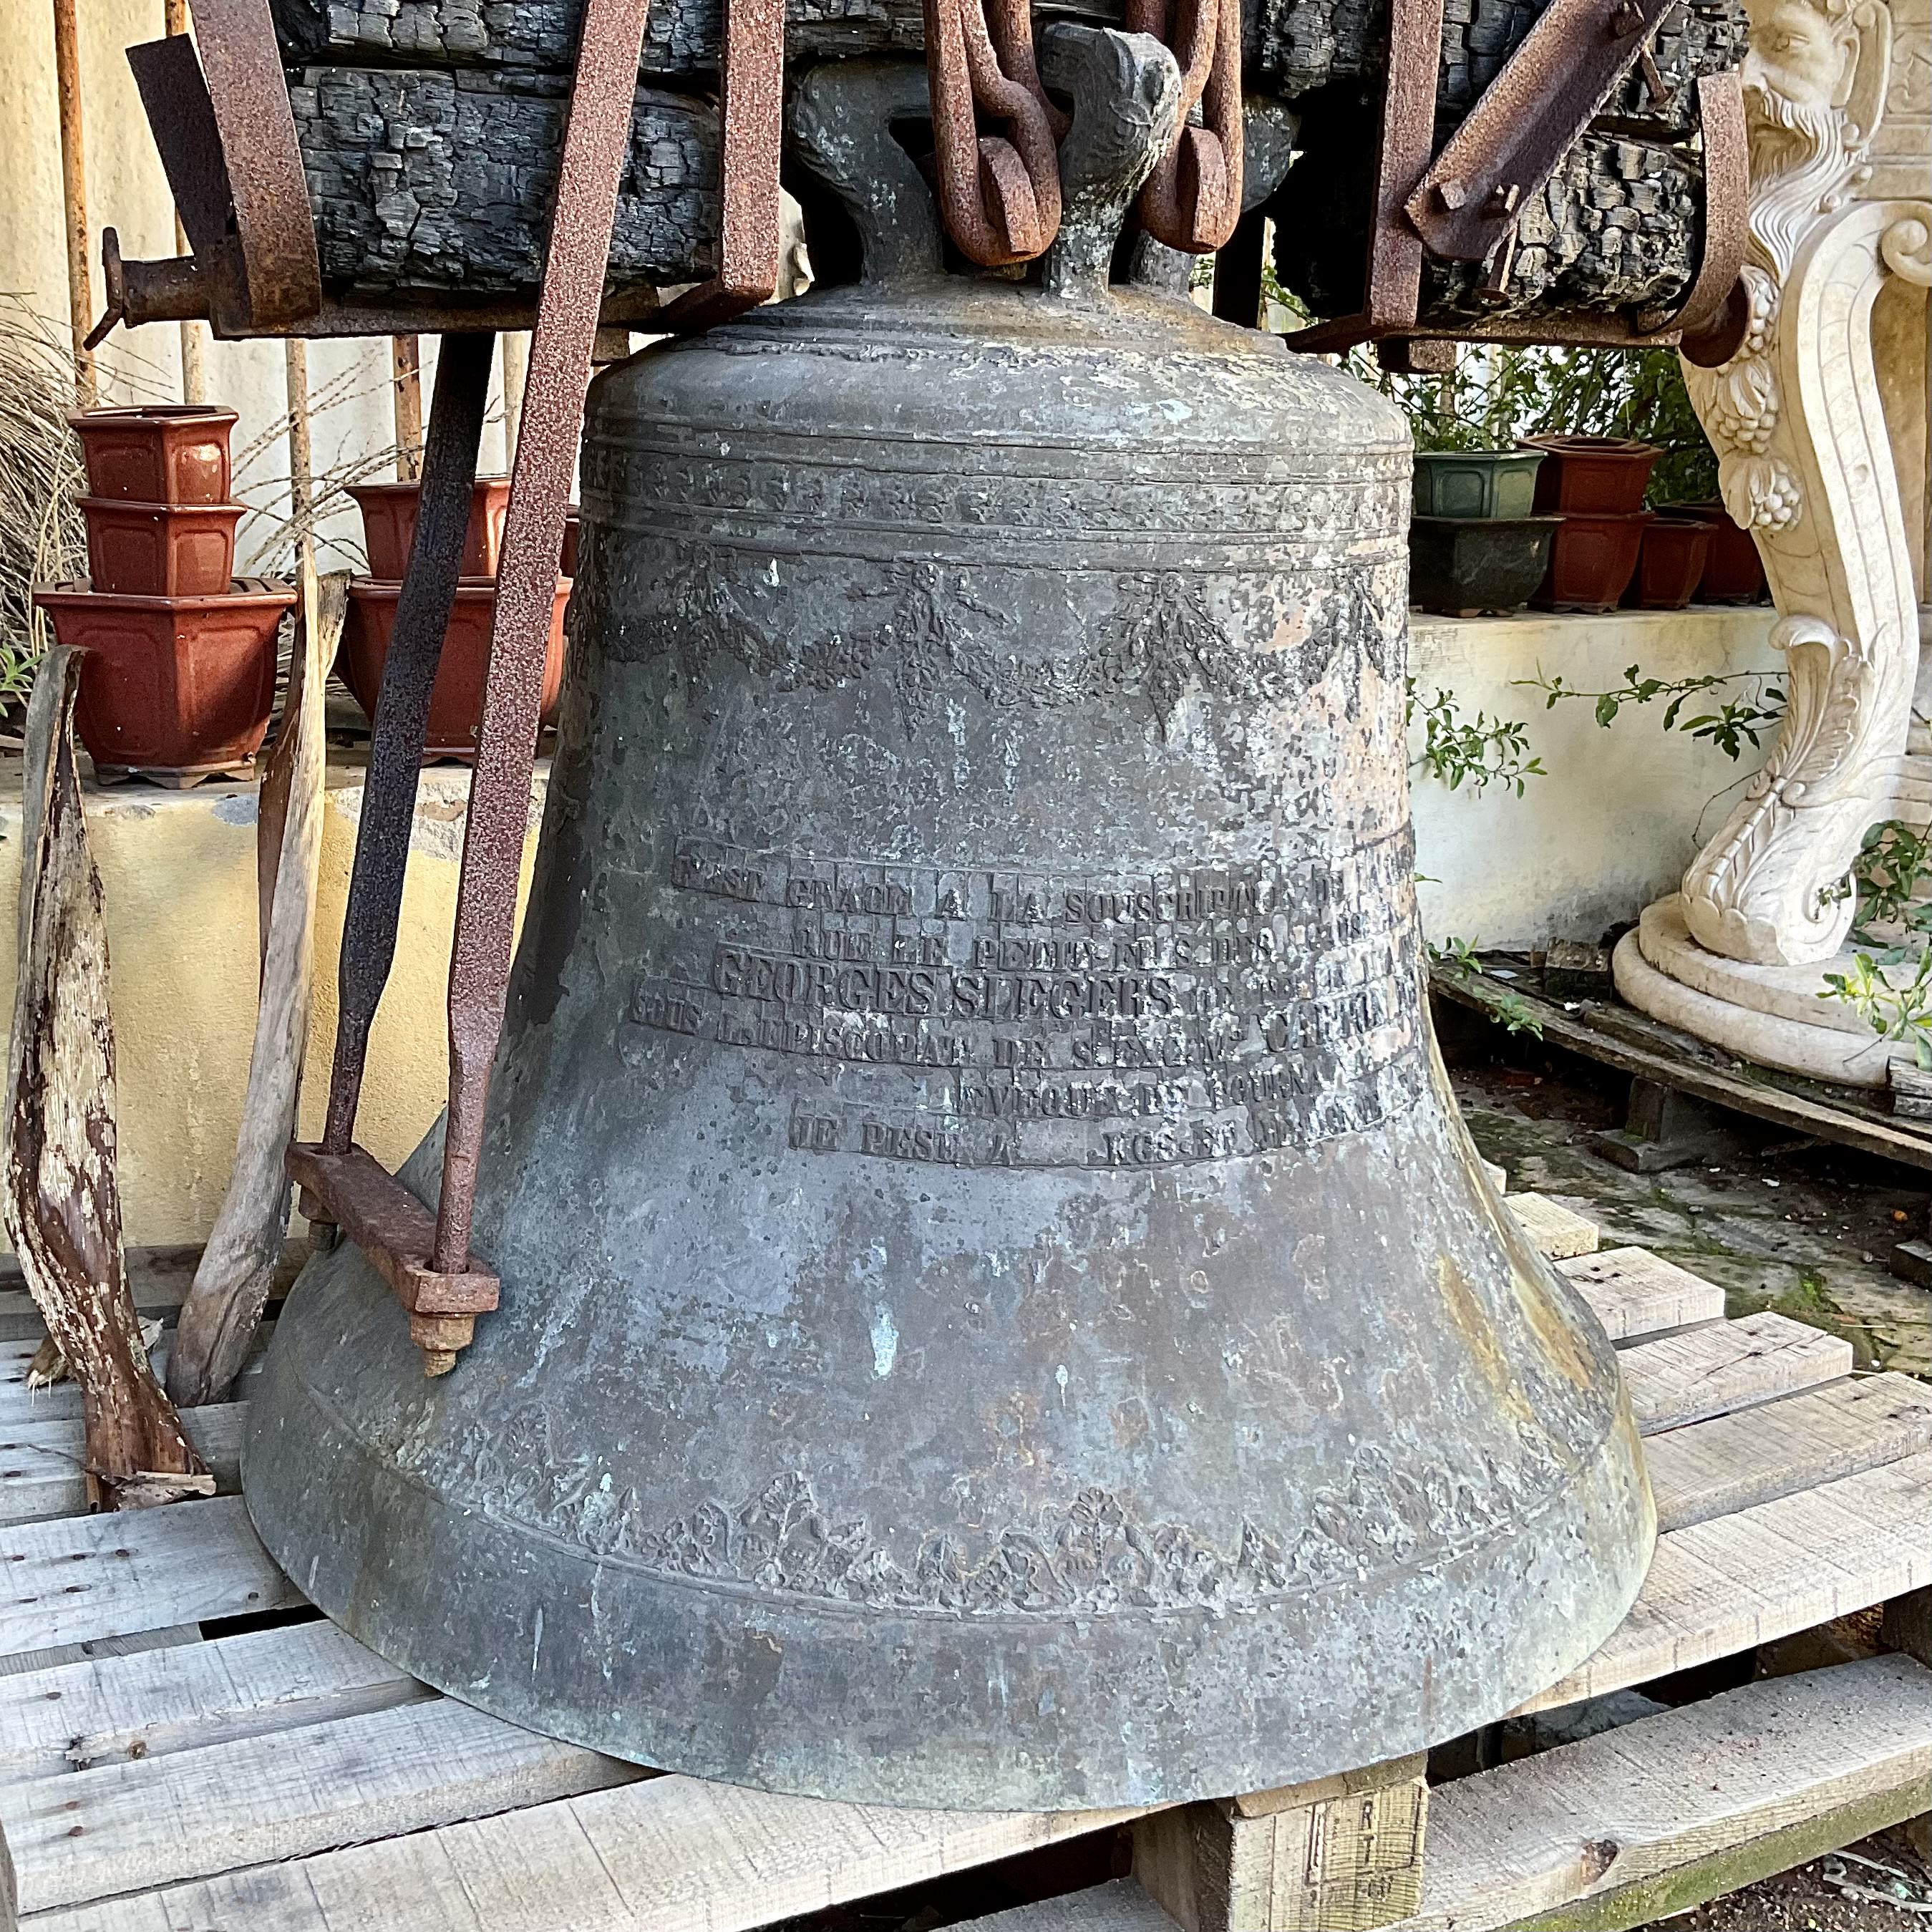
(1893, 858)
(1893, 1011)
(1511, 1011)
(1480, 752)
(1750, 717)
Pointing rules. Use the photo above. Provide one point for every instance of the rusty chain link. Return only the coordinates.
(1192, 199)
(999, 197)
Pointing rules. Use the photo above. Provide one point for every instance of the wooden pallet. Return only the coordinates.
(156, 1775)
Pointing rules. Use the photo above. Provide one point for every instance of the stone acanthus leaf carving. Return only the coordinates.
(1806, 464)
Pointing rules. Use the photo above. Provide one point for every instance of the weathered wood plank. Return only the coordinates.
(419, 183)
(1700, 1786)
(1718, 1587)
(1736, 1461)
(1679, 1379)
(146, 1706)
(1121, 1906)
(55, 1657)
(108, 1576)
(1558, 1231)
(19, 1404)
(1635, 1294)
(158, 1277)
(41, 1468)
(665, 1855)
(150, 1822)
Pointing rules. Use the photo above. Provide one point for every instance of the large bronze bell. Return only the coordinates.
(999, 1309)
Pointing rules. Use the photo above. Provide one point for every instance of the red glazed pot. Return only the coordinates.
(160, 550)
(175, 453)
(1591, 562)
(1669, 563)
(179, 686)
(389, 525)
(1591, 475)
(1734, 572)
(456, 704)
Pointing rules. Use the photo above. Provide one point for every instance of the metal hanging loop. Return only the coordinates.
(1192, 199)
(999, 197)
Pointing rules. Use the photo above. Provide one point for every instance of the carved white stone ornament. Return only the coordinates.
(1818, 422)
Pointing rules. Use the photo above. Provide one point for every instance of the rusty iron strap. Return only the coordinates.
(751, 116)
(423, 607)
(278, 272)
(999, 198)
(1192, 199)
(596, 140)
(1714, 313)
(1528, 117)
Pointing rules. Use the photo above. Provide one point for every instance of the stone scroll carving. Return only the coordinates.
(1798, 418)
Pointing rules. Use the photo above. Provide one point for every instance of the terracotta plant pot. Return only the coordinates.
(1463, 566)
(1592, 475)
(1734, 572)
(172, 453)
(1669, 563)
(1592, 562)
(160, 550)
(389, 525)
(175, 687)
(456, 704)
(1475, 482)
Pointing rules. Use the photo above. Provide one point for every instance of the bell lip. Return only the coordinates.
(405, 1633)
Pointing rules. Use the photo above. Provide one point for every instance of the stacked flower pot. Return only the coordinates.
(456, 702)
(179, 678)
(1475, 543)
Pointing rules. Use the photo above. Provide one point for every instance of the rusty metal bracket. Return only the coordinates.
(1528, 117)
(999, 198)
(752, 119)
(1412, 216)
(1192, 199)
(249, 225)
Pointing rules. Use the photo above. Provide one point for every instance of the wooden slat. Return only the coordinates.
(55, 1656)
(151, 1822)
(1676, 1791)
(61, 1403)
(1684, 1379)
(1558, 1231)
(1734, 1461)
(1121, 1906)
(1718, 1588)
(1635, 1293)
(41, 1471)
(55, 1721)
(665, 1855)
(107, 1575)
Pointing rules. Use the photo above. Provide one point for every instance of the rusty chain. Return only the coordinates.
(1192, 199)
(998, 195)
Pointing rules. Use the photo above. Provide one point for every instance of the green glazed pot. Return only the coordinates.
(1460, 566)
(1476, 482)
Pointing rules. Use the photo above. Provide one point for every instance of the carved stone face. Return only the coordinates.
(1802, 54)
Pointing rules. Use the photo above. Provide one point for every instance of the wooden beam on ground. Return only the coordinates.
(1558, 1232)
(669, 1854)
(198, 1695)
(149, 1823)
(1734, 1462)
(1656, 1817)
(1686, 1378)
(42, 1464)
(1719, 1587)
(108, 1576)
(1636, 1294)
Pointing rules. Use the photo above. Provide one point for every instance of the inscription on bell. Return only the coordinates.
(1203, 1013)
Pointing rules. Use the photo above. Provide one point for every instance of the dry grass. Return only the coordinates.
(41, 535)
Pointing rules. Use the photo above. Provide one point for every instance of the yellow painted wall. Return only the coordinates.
(178, 873)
